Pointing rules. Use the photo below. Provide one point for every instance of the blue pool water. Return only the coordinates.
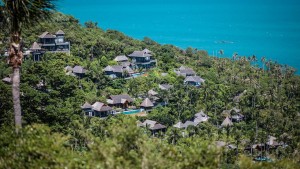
(132, 111)
(268, 28)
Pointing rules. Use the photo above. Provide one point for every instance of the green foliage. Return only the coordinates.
(268, 98)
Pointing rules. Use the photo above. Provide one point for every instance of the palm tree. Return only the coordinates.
(19, 14)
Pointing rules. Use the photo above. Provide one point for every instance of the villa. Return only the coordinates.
(78, 71)
(200, 117)
(54, 43)
(185, 71)
(48, 43)
(147, 104)
(227, 122)
(142, 59)
(153, 126)
(164, 86)
(121, 101)
(118, 71)
(36, 51)
(194, 81)
(98, 109)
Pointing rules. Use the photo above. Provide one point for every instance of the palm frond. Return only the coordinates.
(24, 13)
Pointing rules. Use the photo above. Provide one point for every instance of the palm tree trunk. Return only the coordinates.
(16, 98)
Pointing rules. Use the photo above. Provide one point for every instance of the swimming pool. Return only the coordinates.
(133, 111)
(137, 74)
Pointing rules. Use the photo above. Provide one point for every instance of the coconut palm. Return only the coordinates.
(19, 14)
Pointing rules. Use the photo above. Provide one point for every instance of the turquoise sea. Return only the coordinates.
(268, 28)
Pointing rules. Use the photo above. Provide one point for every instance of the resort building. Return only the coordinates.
(36, 51)
(142, 59)
(118, 71)
(164, 86)
(200, 117)
(121, 101)
(78, 71)
(54, 43)
(185, 71)
(98, 109)
(227, 122)
(194, 81)
(153, 126)
(147, 104)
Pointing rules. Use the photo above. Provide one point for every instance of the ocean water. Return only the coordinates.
(269, 28)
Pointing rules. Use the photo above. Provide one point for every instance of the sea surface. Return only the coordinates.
(269, 28)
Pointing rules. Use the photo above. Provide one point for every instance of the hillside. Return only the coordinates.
(58, 134)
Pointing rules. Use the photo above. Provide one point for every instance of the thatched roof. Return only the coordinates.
(98, 106)
(79, 69)
(165, 86)
(68, 69)
(35, 46)
(60, 32)
(118, 69)
(227, 122)
(157, 127)
(189, 123)
(139, 54)
(147, 103)
(152, 92)
(118, 99)
(147, 51)
(196, 79)
(86, 105)
(121, 58)
(179, 125)
(149, 123)
(46, 35)
(200, 117)
(7, 80)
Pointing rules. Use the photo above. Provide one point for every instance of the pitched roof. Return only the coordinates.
(98, 106)
(68, 68)
(189, 123)
(194, 79)
(79, 69)
(152, 92)
(157, 126)
(117, 99)
(35, 46)
(139, 54)
(121, 58)
(164, 86)
(46, 35)
(227, 122)
(147, 103)
(200, 117)
(86, 106)
(60, 32)
(179, 125)
(108, 69)
(149, 123)
(118, 69)
(185, 71)
(153, 125)
(147, 51)
(7, 80)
